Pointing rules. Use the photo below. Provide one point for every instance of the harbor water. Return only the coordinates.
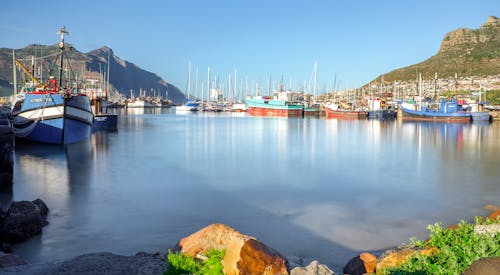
(310, 188)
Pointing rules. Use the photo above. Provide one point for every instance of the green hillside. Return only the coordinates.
(463, 52)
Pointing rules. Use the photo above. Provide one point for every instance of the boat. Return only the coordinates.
(239, 107)
(48, 112)
(189, 106)
(332, 110)
(446, 111)
(280, 105)
(264, 106)
(378, 109)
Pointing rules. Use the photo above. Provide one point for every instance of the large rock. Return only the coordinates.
(244, 254)
(485, 266)
(495, 214)
(398, 256)
(314, 268)
(23, 220)
(364, 263)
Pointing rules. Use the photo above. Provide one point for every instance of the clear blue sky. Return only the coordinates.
(356, 40)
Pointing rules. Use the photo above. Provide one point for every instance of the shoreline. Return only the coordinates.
(156, 263)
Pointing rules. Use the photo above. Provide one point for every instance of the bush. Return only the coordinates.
(182, 264)
(457, 249)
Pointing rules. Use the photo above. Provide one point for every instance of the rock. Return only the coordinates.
(355, 266)
(244, 254)
(485, 266)
(495, 214)
(364, 263)
(398, 256)
(253, 257)
(453, 226)
(314, 268)
(491, 207)
(44, 210)
(23, 220)
(96, 263)
(7, 260)
(216, 236)
(491, 229)
(370, 261)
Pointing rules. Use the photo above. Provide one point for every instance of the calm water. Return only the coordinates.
(310, 188)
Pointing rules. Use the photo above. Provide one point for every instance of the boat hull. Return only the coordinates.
(480, 116)
(279, 108)
(382, 114)
(458, 117)
(342, 114)
(53, 118)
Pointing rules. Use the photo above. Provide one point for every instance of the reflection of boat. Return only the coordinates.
(448, 111)
(49, 113)
(333, 111)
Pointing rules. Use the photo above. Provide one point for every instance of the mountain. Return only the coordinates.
(124, 76)
(464, 52)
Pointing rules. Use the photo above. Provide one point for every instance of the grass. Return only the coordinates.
(182, 264)
(457, 249)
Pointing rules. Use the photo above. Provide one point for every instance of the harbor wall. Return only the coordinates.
(6, 150)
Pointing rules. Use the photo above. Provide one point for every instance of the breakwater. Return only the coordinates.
(6, 149)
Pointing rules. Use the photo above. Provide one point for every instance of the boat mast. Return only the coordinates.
(106, 92)
(62, 32)
(315, 76)
(14, 72)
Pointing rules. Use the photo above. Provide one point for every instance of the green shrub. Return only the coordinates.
(182, 264)
(457, 249)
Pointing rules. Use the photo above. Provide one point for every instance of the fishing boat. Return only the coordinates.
(333, 110)
(281, 104)
(445, 111)
(264, 106)
(49, 112)
(378, 109)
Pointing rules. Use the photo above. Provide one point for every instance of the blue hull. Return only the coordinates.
(52, 118)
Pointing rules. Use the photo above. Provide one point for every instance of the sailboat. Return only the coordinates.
(49, 112)
(190, 105)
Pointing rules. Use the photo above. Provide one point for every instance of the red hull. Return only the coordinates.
(345, 114)
(254, 111)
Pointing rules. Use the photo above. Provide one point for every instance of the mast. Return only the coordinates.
(315, 76)
(107, 80)
(14, 72)
(62, 32)
(189, 80)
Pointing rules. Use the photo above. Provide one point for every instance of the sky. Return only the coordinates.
(352, 41)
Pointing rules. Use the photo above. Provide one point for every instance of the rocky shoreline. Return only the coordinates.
(244, 254)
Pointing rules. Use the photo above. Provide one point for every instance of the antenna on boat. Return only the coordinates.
(62, 32)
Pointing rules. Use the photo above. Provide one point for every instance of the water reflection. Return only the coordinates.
(334, 186)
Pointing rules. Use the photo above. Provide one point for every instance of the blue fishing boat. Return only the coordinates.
(47, 112)
(446, 111)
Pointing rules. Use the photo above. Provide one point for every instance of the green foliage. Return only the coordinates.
(457, 249)
(493, 97)
(182, 264)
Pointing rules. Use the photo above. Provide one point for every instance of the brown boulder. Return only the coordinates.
(244, 254)
(369, 260)
(400, 256)
(495, 214)
(217, 236)
(485, 266)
